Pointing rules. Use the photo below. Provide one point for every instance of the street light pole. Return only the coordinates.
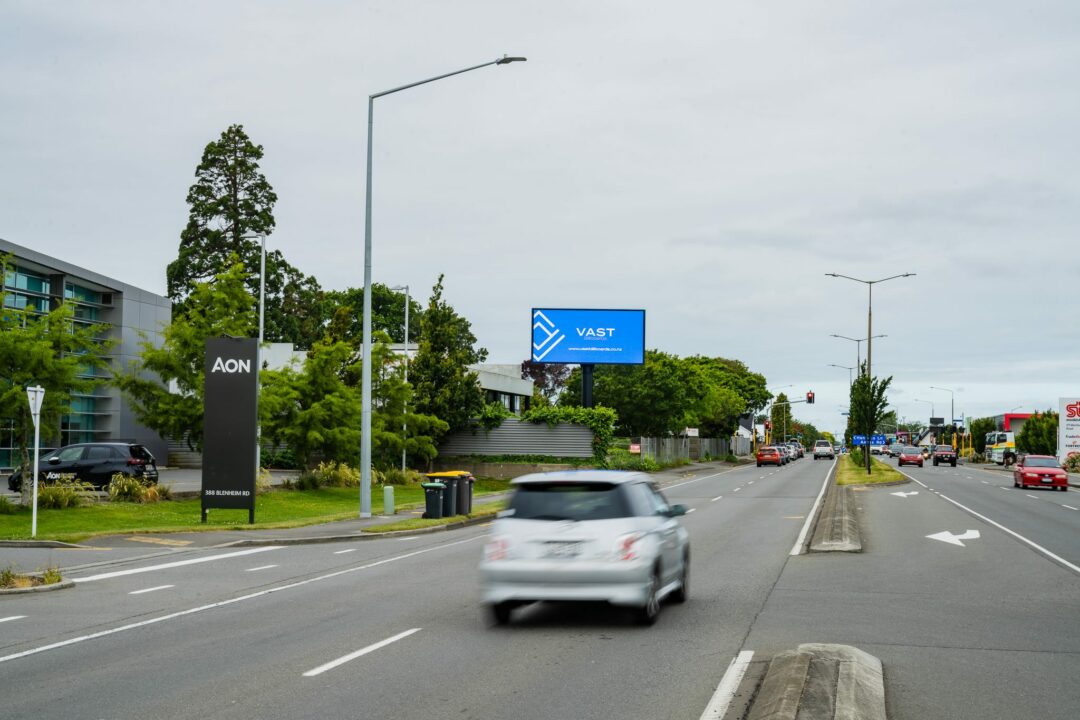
(844, 367)
(858, 346)
(869, 330)
(365, 386)
(952, 404)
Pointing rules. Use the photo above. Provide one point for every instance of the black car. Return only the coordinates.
(93, 463)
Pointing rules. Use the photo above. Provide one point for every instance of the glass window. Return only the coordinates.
(69, 454)
(99, 452)
(568, 501)
(1041, 462)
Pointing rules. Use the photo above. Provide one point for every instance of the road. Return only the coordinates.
(981, 627)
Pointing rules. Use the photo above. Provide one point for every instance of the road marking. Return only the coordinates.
(762, 477)
(178, 563)
(750, 483)
(905, 495)
(159, 541)
(797, 549)
(716, 498)
(417, 537)
(737, 489)
(794, 517)
(342, 552)
(359, 653)
(999, 526)
(261, 567)
(231, 601)
(948, 537)
(12, 617)
(968, 477)
(729, 684)
(1068, 506)
(149, 590)
(1033, 497)
(690, 510)
(705, 477)
(984, 482)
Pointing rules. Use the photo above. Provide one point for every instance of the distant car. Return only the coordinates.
(587, 535)
(822, 448)
(797, 448)
(769, 455)
(1040, 471)
(93, 463)
(877, 449)
(910, 455)
(944, 454)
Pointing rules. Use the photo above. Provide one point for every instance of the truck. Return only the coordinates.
(1001, 447)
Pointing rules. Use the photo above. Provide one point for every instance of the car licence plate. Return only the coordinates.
(1048, 478)
(561, 550)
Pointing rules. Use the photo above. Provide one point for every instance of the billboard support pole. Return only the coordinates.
(586, 385)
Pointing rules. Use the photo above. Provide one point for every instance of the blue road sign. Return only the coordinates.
(877, 439)
(858, 439)
(600, 337)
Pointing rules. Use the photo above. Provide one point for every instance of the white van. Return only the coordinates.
(823, 448)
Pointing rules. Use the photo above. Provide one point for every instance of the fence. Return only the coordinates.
(680, 448)
(515, 437)
(667, 449)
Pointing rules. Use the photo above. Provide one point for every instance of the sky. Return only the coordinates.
(707, 161)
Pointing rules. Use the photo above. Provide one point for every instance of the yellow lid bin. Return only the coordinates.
(458, 496)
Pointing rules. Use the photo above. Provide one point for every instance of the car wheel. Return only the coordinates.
(500, 613)
(1065, 488)
(953, 463)
(683, 592)
(1016, 483)
(647, 613)
(759, 464)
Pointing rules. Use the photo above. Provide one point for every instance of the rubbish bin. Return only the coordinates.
(433, 499)
(464, 494)
(449, 498)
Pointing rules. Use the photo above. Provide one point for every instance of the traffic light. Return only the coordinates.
(768, 425)
(810, 398)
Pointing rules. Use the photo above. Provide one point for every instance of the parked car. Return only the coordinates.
(586, 535)
(910, 455)
(769, 455)
(1040, 471)
(822, 448)
(795, 445)
(93, 463)
(944, 454)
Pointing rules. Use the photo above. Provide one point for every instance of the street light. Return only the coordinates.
(844, 367)
(931, 402)
(404, 422)
(365, 413)
(952, 403)
(858, 346)
(869, 328)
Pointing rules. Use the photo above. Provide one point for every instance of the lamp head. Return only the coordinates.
(506, 60)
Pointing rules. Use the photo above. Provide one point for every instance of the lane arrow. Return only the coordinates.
(905, 494)
(948, 537)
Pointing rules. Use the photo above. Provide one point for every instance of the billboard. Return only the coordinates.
(1068, 427)
(600, 337)
(229, 424)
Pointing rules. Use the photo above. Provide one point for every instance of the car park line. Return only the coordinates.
(999, 526)
(150, 590)
(729, 684)
(178, 563)
(359, 653)
(231, 601)
(12, 617)
(797, 549)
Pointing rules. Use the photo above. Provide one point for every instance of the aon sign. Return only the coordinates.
(231, 365)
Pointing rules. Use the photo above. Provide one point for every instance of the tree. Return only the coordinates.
(444, 385)
(979, 428)
(1039, 435)
(867, 406)
(343, 311)
(549, 379)
(43, 348)
(231, 201)
(220, 307)
(780, 416)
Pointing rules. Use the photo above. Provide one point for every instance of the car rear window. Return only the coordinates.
(569, 501)
(910, 450)
(822, 443)
(138, 451)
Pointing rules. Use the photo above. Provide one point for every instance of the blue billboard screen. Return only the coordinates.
(600, 337)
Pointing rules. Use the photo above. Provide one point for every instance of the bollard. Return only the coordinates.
(388, 499)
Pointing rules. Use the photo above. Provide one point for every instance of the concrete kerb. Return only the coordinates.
(837, 528)
(818, 681)
(62, 585)
(352, 537)
(38, 544)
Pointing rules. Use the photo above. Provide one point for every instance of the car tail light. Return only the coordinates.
(136, 461)
(626, 547)
(497, 549)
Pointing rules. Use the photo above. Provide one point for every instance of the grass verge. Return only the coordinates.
(487, 510)
(849, 473)
(277, 509)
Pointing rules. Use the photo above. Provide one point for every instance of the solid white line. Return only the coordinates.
(690, 510)
(12, 617)
(716, 498)
(261, 567)
(178, 563)
(342, 552)
(704, 477)
(729, 684)
(797, 549)
(363, 651)
(1016, 535)
(159, 587)
(1068, 506)
(231, 601)
(1033, 497)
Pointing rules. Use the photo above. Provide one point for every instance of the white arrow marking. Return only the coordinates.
(946, 536)
(905, 494)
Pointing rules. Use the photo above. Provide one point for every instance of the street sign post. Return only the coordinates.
(35, 395)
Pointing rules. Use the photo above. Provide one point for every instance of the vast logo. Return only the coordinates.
(231, 365)
(548, 335)
(1072, 411)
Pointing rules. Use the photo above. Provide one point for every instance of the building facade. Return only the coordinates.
(124, 313)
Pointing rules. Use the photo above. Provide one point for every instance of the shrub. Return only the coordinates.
(126, 488)
(7, 507)
(51, 575)
(63, 494)
(262, 482)
(283, 459)
(1072, 463)
(8, 576)
(336, 474)
(393, 476)
(157, 493)
(600, 420)
(619, 459)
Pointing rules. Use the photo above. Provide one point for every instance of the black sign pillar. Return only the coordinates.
(586, 385)
(230, 417)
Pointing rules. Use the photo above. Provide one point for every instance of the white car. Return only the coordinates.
(586, 535)
(823, 448)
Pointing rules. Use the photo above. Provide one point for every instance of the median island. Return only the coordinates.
(851, 470)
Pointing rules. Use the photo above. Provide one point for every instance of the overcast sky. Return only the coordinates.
(706, 161)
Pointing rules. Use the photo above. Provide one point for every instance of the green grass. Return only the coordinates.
(486, 510)
(848, 473)
(276, 509)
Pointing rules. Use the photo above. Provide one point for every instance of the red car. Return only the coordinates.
(944, 454)
(1040, 471)
(910, 456)
(769, 455)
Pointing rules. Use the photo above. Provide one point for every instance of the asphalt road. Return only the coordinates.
(241, 636)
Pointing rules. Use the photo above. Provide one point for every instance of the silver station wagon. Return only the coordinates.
(587, 535)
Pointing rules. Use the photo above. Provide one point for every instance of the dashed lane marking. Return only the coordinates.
(1070, 507)
(716, 498)
(12, 617)
(342, 552)
(178, 563)
(359, 653)
(150, 590)
(261, 567)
